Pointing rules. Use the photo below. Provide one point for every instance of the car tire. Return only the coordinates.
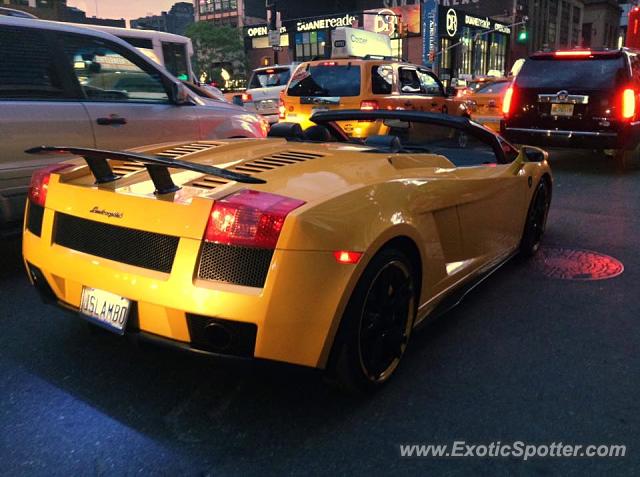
(376, 325)
(536, 219)
(626, 159)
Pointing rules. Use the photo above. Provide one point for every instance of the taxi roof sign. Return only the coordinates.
(353, 42)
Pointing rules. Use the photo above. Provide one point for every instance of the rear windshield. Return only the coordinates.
(565, 74)
(494, 88)
(326, 80)
(271, 77)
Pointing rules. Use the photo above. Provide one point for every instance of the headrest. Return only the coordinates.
(317, 133)
(388, 143)
(290, 131)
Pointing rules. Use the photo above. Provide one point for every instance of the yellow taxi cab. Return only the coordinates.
(485, 103)
(366, 82)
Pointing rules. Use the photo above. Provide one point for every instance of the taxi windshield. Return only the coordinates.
(326, 80)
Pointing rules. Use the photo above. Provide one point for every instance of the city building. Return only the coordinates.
(624, 22)
(462, 42)
(59, 10)
(601, 23)
(552, 24)
(176, 20)
(235, 13)
(45, 9)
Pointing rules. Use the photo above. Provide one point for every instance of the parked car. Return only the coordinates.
(61, 83)
(578, 99)
(262, 95)
(485, 103)
(368, 84)
(307, 248)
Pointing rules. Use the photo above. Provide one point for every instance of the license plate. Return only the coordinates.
(561, 109)
(105, 309)
(266, 105)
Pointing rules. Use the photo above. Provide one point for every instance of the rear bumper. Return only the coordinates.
(287, 320)
(626, 138)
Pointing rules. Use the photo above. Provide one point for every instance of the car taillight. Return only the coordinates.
(249, 219)
(368, 105)
(282, 109)
(246, 97)
(506, 102)
(40, 183)
(628, 103)
(567, 53)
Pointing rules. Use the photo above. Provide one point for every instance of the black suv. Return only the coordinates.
(580, 99)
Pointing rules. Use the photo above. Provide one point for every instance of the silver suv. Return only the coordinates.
(263, 90)
(66, 85)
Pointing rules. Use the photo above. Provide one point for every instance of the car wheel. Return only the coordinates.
(376, 326)
(626, 159)
(536, 220)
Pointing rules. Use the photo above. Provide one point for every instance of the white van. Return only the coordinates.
(174, 52)
(65, 85)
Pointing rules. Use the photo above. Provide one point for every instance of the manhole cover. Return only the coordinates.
(576, 264)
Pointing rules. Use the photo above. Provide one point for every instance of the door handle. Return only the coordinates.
(111, 120)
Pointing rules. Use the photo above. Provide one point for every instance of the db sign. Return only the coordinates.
(383, 21)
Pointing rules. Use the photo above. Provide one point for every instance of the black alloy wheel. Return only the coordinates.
(536, 219)
(377, 324)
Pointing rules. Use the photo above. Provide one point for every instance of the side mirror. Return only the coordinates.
(180, 94)
(534, 154)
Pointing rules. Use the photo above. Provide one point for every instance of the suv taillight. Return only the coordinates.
(628, 103)
(246, 97)
(507, 101)
(249, 219)
(40, 183)
(368, 105)
(282, 109)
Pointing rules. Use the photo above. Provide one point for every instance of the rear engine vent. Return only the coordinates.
(35, 213)
(180, 151)
(264, 164)
(126, 167)
(246, 266)
(121, 244)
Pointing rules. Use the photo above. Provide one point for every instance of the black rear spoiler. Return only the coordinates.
(158, 167)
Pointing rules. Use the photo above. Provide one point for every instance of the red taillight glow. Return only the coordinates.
(573, 53)
(368, 105)
(328, 63)
(282, 109)
(344, 256)
(246, 97)
(249, 219)
(506, 102)
(40, 183)
(628, 103)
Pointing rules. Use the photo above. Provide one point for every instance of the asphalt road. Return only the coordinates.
(523, 358)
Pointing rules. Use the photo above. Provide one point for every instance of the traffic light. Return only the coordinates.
(522, 36)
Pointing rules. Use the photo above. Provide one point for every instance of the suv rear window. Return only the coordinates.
(270, 77)
(565, 74)
(494, 88)
(326, 80)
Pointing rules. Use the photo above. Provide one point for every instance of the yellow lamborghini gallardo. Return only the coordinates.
(306, 247)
